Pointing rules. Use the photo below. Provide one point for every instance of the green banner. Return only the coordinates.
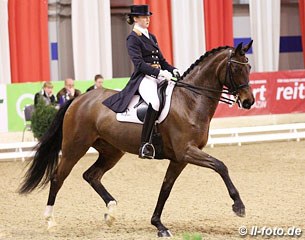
(116, 83)
(18, 96)
(21, 94)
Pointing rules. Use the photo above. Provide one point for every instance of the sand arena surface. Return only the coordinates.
(270, 178)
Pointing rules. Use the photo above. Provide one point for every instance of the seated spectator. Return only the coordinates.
(68, 92)
(46, 94)
(98, 81)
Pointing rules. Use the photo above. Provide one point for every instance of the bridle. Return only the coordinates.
(232, 90)
(229, 75)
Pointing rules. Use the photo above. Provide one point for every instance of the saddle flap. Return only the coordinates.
(162, 94)
(136, 110)
(141, 111)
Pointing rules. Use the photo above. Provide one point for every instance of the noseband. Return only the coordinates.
(232, 90)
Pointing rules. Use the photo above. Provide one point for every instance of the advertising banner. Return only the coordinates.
(288, 95)
(16, 96)
(21, 94)
(274, 92)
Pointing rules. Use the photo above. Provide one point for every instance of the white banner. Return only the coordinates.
(188, 32)
(5, 70)
(91, 33)
(3, 109)
(265, 31)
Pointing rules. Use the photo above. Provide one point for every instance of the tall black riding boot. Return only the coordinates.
(147, 150)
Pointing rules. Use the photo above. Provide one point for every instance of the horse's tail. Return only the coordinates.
(46, 157)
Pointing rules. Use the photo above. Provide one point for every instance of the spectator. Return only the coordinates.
(98, 81)
(46, 94)
(68, 92)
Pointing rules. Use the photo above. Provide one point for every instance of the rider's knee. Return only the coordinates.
(155, 105)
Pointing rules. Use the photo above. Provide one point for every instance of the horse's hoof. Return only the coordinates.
(239, 210)
(51, 222)
(110, 215)
(109, 219)
(164, 233)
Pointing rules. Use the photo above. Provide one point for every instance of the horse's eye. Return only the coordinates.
(237, 68)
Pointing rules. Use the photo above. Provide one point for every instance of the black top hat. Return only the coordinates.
(139, 10)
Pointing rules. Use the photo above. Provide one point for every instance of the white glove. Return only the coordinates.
(165, 74)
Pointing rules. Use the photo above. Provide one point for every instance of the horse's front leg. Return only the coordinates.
(197, 157)
(173, 171)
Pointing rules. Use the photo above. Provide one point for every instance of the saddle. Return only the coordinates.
(137, 109)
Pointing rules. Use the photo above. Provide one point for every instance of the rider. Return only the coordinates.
(150, 69)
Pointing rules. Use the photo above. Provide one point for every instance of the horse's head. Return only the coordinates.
(237, 75)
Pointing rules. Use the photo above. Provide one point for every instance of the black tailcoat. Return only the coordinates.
(143, 52)
(42, 94)
(90, 88)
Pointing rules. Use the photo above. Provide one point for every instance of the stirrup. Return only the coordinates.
(146, 154)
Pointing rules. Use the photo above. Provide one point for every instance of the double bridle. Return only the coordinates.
(233, 90)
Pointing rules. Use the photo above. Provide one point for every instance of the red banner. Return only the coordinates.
(274, 92)
(218, 20)
(160, 25)
(29, 43)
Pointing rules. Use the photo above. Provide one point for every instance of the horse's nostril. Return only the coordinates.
(246, 104)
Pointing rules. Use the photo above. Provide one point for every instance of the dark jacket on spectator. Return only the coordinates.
(48, 100)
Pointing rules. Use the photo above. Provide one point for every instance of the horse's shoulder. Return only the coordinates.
(109, 92)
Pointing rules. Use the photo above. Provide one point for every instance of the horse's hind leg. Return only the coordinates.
(70, 156)
(108, 157)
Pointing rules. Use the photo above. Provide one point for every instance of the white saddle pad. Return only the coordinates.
(130, 115)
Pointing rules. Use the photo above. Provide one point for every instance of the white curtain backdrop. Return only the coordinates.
(265, 31)
(5, 70)
(3, 109)
(91, 37)
(188, 32)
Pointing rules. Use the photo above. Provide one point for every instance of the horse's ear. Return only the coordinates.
(239, 48)
(248, 46)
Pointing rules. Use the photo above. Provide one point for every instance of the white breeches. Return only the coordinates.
(148, 91)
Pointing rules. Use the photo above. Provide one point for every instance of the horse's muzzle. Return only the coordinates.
(247, 103)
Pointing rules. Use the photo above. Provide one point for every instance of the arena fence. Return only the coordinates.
(22, 150)
(225, 136)
(280, 132)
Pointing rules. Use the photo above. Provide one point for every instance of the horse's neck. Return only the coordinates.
(196, 109)
(201, 107)
(205, 74)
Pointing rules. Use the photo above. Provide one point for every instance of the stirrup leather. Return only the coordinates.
(143, 153)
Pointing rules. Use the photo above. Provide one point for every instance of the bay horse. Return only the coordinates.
(85, 122)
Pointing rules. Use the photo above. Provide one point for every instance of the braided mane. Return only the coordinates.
(199, 60)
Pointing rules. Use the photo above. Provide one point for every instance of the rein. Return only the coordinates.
(230, 91)
(198, 90)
